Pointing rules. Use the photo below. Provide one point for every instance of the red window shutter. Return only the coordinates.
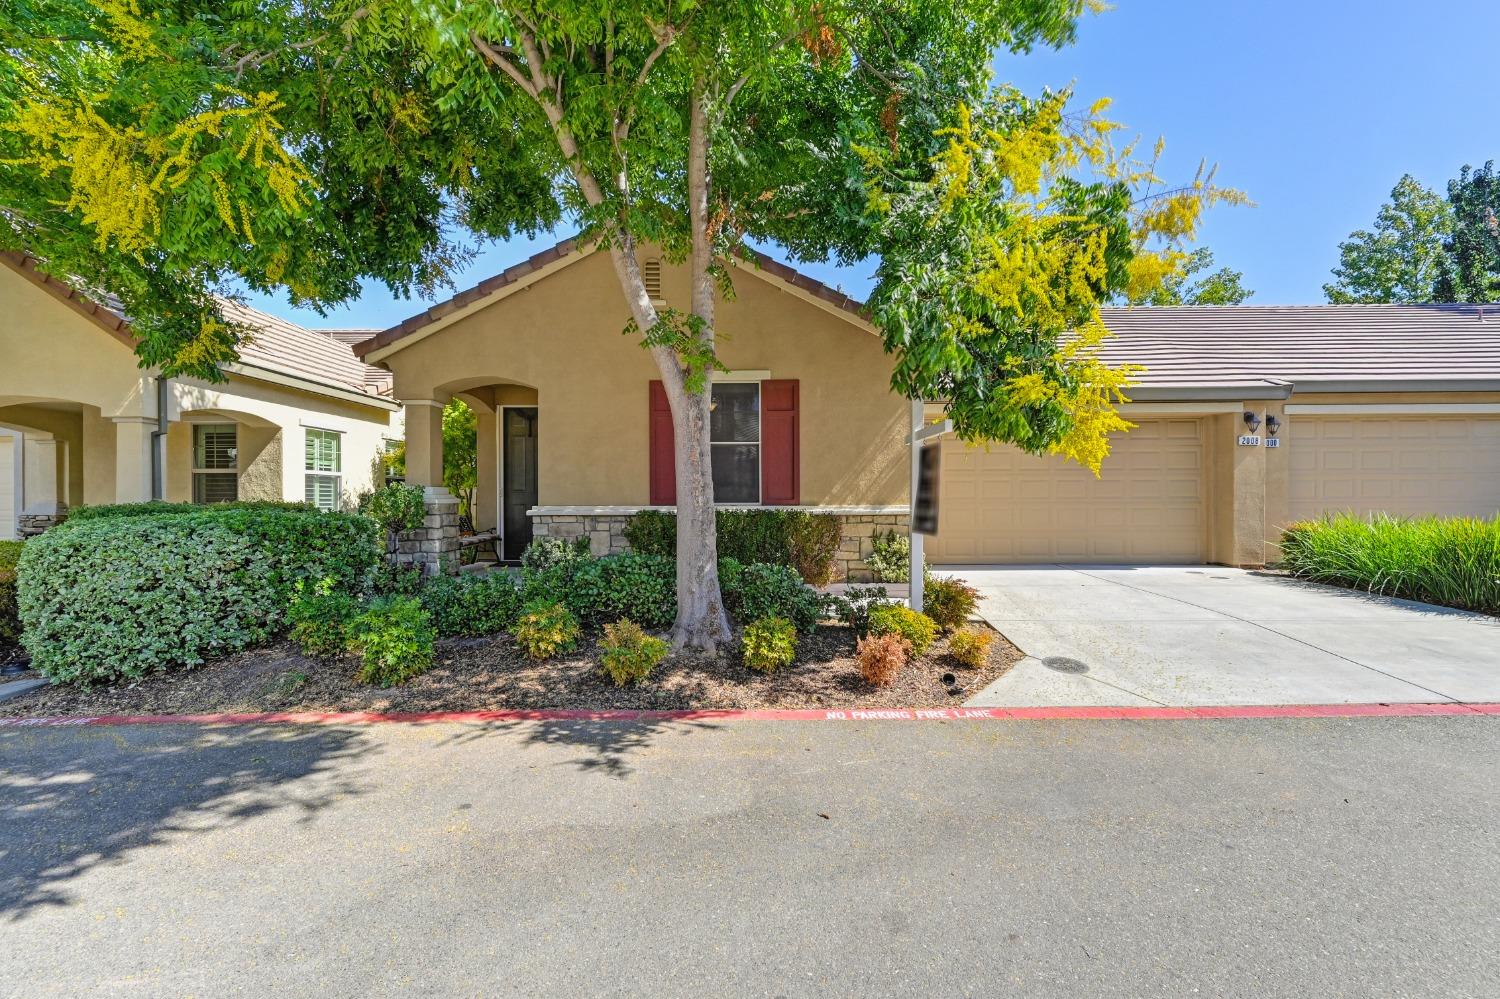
(780, 454)
(663, 454)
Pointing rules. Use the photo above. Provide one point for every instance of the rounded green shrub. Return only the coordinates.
(761, 590)
(472, 604)
(545, 629)
(393, 637)
(949, 602)
(769, 644)
(10, 614)
(897, 619)
(115, 597)
(628, 654)
(320, 616)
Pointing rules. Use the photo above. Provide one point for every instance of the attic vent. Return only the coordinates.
(651, 275)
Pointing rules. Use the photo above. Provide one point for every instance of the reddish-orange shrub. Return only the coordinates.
(881, 658)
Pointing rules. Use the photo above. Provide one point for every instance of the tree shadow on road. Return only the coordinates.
(74, 799)
(608, 745)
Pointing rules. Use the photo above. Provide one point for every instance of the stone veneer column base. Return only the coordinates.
(434, 546)
(29, 525)
(606, 534)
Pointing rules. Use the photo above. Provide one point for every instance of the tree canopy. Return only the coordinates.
(1471, 251)
(1401, 258)
(1189, 285)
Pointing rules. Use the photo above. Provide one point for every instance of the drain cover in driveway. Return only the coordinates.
(1064, 665)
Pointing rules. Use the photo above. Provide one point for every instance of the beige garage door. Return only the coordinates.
(1402, 465)
(7, 489)
(1007, 506)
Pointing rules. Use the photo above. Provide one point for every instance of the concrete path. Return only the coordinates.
(1050, 860)
(1119, 635)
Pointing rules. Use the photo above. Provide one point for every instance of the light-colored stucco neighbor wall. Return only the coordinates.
(68, 379)
(272, 423)
(562, 337)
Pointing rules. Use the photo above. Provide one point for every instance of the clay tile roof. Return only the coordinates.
(278, 345)
(1244, 344)
(556, 252)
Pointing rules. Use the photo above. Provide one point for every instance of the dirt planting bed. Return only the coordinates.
(491, 674)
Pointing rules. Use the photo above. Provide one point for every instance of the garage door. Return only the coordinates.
(1007, 506)
(7, 489)
(1402, 465)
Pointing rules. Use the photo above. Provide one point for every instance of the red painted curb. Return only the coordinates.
(805, 714)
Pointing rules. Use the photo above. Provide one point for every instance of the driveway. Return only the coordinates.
(1203, 635)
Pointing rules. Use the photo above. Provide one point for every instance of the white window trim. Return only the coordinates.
(337, 476)
(759, 443)
(193, 463)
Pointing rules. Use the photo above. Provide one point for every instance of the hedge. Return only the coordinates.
(804, 541)
(156, 508)
(116, 596)
(10, 620)
(1453, 561)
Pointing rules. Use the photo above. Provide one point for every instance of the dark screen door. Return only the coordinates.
(520, 478)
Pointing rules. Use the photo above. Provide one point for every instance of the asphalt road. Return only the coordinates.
(1341, 857)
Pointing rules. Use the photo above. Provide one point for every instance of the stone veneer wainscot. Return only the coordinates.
(605, 528)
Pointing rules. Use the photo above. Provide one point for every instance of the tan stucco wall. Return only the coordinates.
(562, 337)
(53, 353)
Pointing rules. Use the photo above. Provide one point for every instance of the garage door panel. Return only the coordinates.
(1150, 504)
(1403, 465)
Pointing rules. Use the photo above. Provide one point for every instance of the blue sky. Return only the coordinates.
(1314, 108)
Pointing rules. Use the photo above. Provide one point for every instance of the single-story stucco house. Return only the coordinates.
(1247, 418)
(298, 418)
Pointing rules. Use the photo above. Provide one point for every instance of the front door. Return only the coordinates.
(519, 477)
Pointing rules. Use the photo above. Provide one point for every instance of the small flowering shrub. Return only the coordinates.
(769, 644)
(544, 629)
(628, 654)
(949, 602)
(896, 619)
(881, 658)
(971, 646)
(393, 637)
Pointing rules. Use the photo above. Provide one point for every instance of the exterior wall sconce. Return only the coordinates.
(1272, 425)
(1252, 421)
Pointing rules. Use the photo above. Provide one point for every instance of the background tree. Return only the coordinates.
(1402, 257)
(304, 145)
(1471, 265)
(1224, 286)
(461, 453)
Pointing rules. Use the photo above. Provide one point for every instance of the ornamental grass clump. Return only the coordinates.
(1452, 561)
(546, 629)
(881, 658)
(971, 646)
(628, 654)
(897, 619)
(769, 644)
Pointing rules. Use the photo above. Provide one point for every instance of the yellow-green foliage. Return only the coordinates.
(545, 629)
(971, 646)
(769, 644)
(10, 620)
(628, 654)
(896, 619)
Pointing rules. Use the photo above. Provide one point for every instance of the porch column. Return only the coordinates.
(424, 442)
(487, 451)
(133, 458)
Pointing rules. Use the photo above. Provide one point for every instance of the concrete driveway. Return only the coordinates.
(1203, 635)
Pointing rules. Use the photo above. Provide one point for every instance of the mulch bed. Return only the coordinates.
(491, 674)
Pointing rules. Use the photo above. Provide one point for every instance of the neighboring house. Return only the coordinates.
(299, 416)
(1375, 408)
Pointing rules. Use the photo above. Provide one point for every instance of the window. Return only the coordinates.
(323, 465)
(734, 436)
(216, 476)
